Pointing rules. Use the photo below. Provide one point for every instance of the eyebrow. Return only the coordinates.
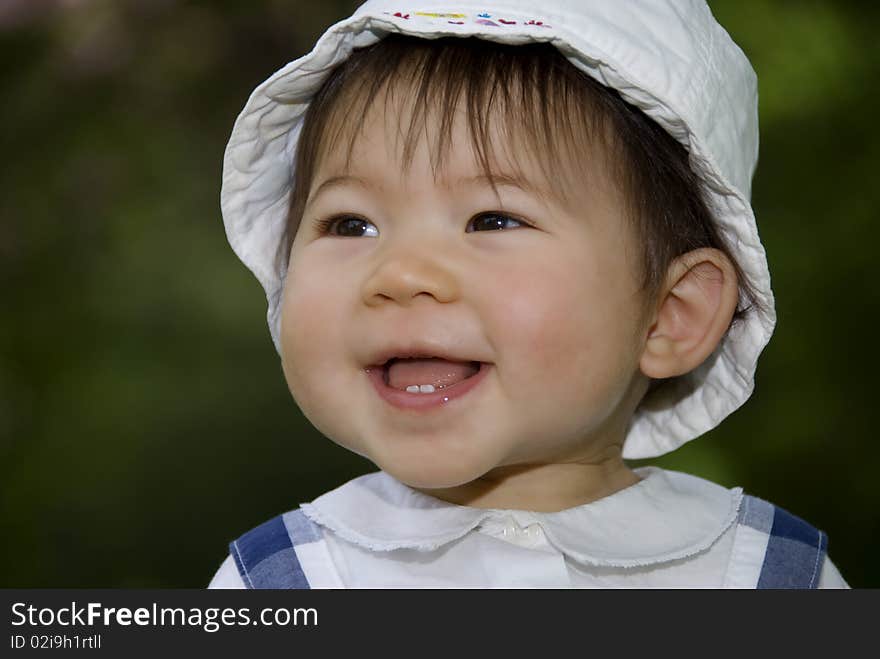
(510, 181)
(500, 179)
(337, 182)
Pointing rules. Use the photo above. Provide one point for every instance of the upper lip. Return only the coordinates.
(416, 350)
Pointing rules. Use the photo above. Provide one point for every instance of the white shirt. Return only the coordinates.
(669, 530)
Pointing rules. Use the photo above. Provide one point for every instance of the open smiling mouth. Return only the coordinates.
(425, 383)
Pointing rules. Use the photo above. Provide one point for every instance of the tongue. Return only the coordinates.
(441, 373)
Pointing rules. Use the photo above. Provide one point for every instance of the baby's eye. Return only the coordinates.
(346, 226)
(493, 221)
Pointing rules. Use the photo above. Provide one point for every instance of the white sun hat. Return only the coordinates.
(669, 58)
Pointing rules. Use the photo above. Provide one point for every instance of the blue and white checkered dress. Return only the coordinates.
(771, 549)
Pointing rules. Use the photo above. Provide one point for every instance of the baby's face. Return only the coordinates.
(541, 293)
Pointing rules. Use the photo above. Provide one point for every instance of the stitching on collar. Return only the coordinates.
(378, 544)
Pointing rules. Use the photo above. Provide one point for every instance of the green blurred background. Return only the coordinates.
(144, 418)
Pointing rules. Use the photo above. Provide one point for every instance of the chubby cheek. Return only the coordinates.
(563, 345)
(312, 347)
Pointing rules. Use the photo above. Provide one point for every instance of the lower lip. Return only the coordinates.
(408, 401)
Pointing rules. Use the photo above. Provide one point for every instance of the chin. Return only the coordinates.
(434, 476)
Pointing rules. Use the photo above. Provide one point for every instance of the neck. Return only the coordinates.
(525, 487)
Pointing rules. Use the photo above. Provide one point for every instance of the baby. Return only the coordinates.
(614, 308)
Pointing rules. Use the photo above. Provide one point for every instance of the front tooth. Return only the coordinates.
(420, 388)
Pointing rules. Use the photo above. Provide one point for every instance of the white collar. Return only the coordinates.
(665, 516)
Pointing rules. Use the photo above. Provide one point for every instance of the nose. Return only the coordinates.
(406, 275)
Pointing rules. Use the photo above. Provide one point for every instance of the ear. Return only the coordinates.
(695, 307)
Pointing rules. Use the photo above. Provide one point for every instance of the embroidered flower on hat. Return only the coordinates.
(436, 15)
(456, 18)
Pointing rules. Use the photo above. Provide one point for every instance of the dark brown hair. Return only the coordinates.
(553, 109)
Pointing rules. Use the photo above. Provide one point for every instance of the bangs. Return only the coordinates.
(544, 110)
